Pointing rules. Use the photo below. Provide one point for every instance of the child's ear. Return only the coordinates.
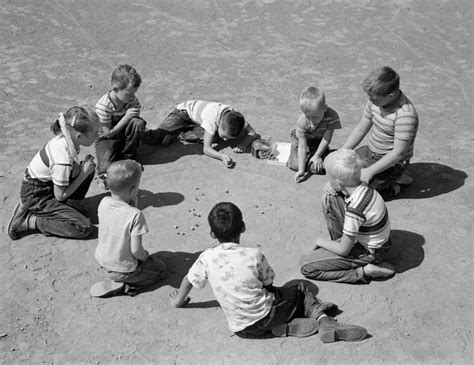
(243, 227)
(212, 234)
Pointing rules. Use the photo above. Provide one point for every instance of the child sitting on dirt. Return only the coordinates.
(314, 130)
(242, 279)
(121, 227)
(193, 118)
(121, 124)
(56, 181)
(392, 121)
(358, 223)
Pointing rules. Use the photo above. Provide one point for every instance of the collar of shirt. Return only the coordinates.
(229, 245)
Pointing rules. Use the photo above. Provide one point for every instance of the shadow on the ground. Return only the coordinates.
(154, 155)
(407, 250)
(431, 179)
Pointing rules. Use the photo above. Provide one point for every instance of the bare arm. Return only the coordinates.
(358, 133)
(390, 159)
(251, 134)
(317, 160)
(211, 152)
(302, 147)
(62, 193)
(179, 298)
(341, 248)
(137, 248)
(111, 132)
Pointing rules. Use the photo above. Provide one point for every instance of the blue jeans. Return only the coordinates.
(147, 273)
(52, 216)
(313, 145)
(123, 145)
(325, 265)
(290, 302)
(384, 179)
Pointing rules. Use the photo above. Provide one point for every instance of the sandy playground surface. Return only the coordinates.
(257, 56)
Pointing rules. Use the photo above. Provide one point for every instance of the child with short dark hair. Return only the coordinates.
(242, 282)
(193, 118)
(55, 181)
(121, 124)
(121, 227)
(392, 123)
(314, 130)
(358, 223)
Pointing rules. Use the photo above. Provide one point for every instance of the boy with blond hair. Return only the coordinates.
(358, 223)
(242, 282)
(391, 121)
(121, 227)
(314, 130)
(121, 124)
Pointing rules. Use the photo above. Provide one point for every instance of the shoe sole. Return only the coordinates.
(103, 289)
(13, 235)
(298, 327)
(347, 333)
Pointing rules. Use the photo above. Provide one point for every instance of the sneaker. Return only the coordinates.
(381, 270)
(330, 331)
(405, 179)
(18, 221)
(298, 327)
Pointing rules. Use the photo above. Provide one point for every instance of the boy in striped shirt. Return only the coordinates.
(392, 122)
(358, 223)
(206, 122)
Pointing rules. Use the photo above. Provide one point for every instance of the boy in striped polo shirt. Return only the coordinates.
(392, 121)
(358, 223)
(206, 122)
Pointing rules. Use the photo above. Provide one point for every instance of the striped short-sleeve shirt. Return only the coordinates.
(109, 114)
(366, 217)
(206, 113)
(399, 122)
(306, 128)
(59, 162)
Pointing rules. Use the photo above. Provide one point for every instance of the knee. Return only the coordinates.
(83, 229)
(138, 123)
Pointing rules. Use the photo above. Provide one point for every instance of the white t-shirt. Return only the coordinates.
(206, 113)
(237, 276)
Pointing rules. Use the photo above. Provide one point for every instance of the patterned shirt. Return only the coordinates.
(118, 222)
(306, 128)
(108, 112)
(206, 113)
(366, 217)
(237, 276)
(53, 162)
(399, 122)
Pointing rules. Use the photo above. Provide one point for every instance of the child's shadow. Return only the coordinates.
(177, 266)
(145, 199)
(407, 250)
(152, 155)
(431, 179)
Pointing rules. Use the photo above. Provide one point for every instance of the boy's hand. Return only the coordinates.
(318, 164)
(366, 175)
(240, 148)
(299, 176)
(88, 166)
(132, 113)
(228, 162)
(328, 189)
(175, 302)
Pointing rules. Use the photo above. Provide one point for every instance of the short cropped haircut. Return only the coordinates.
(123, 175)
(124, 76)
(344, 165)
(232, 123)
(226, 222)
(312, 98)
(381, 81)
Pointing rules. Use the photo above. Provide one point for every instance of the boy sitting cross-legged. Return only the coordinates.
(121, 227)
(242, 279)
(358, 224)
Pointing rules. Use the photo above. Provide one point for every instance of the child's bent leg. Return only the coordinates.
(107, 150)
(333, 206)
(82, 190)
(324, 265)
(292, 162)
(147, 273)
(131, 135)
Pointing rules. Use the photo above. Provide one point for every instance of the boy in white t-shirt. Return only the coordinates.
(121, 227)
(242, 282)
(206, 122)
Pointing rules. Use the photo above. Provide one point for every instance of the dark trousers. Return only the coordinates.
(290, 302)
(147, 273)
(52, 216)
(313, 145)
(123, 145)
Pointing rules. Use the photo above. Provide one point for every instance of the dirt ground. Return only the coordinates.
(256, 56)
